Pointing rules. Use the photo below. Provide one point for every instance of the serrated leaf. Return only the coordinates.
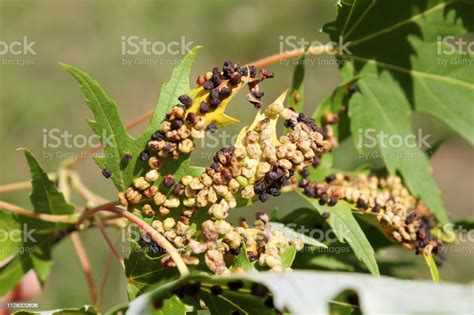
(37, 237)
(376, 108)
(394, 52)
(108, 126)
(303, 292)
(402, 38)
(177, 85)
(45, 197)
(348, 230)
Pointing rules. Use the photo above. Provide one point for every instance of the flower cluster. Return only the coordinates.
(403, 217)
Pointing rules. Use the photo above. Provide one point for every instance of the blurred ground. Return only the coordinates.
(88, 34)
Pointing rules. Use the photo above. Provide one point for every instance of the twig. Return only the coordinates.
(113, 250)
(85, 265)
(159, 239)
(85, 192)
(55, 218)
(22, 185)
(103, 281)
(314, 50)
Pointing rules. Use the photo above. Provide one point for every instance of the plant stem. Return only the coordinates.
(157, 237)
(84, 191)
(22, 185)
(315, 50)
(55, 218)
(113, 250)
(85, 265)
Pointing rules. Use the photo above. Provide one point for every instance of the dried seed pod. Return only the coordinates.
(159, 198)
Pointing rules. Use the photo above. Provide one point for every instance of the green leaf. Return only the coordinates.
(402, 39)
(395, 53)
(172, 306)
(108, 126)
(287, 257)
(117, 141)
(303, 292)
(430, 262)
(242, 261)
(45, 197)
(348, 230)
(324, 168)
(37, 237)
(8, 245)
(177, 85)
(296, 96)
(143, 271)
(381, 110)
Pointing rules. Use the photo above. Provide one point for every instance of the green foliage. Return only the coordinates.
(108, 124)
(347, 229)
(394, 68)
(394, 56)
(242, 261)
(36, 237)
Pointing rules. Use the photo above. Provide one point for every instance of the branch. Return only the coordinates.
(85, 265)
(85, 192)
(157, 237)
(55, 218)
(113, 250)
(22, 185)
(314, 50)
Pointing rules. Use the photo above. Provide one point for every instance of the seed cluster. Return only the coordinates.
(256, 165)
(176, 133)
(403, 217)
(295, 150)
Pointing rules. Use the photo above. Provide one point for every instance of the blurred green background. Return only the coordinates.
(88, 34)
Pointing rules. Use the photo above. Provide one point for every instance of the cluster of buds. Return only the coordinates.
(404, 218)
